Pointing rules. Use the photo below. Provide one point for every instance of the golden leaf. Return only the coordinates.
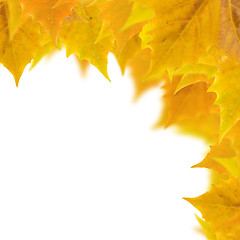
(182, 31)
(17, 52)
(220, 207)
(85, 20)
(221, 158)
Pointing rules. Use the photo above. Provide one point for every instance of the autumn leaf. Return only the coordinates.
(222, 158)
(17, 52)
(85, 19)
(220, 207)
(188, 30)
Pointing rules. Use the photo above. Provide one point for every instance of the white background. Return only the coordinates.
(80, 161)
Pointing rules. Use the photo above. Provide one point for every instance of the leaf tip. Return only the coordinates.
(17, 83)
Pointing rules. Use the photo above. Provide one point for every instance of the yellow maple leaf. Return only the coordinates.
(182, 31)
(18, 51)
(85, 20)
(222, 158)
(220, 207)
(225, 157)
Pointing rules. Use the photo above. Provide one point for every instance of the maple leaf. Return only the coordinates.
(225, 157)
(17, 52)
(188, 29)
(85, 19)
(220, 207)
(222, 158)
(50, 13)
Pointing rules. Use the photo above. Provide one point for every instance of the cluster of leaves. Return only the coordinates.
(191, 48)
